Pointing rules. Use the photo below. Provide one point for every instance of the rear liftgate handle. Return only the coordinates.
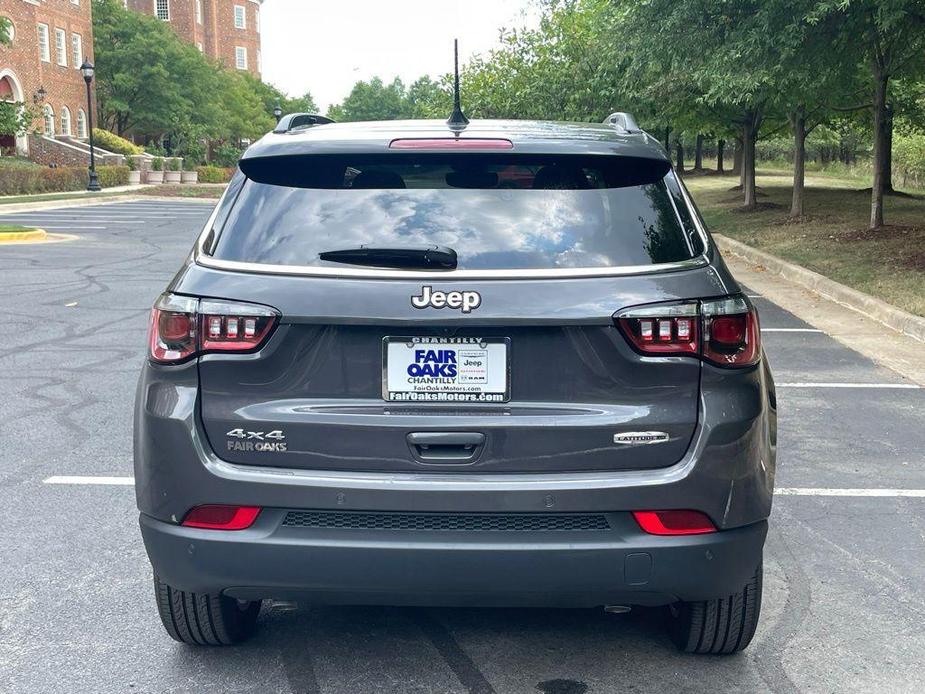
(446, 446)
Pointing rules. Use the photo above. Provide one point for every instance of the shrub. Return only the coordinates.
(175, 164)
(112, 176)
(227, 155)
(909, 158)
(28, 180)
(114, 143)
(214, 174)
(157, 164)
(131, 163)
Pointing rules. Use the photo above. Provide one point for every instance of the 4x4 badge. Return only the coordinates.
(467, 301)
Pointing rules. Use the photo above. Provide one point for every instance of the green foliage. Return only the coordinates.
(4, 31)
(373, 100)
(112, 176)
(909, 158)
(15, 118)
(18, 178)
(157, 164)
(174, 164)
(226, 155)
(131, 163)
(150, 82)
(214, 174)
(114, 143)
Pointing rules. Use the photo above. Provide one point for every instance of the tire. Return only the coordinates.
(720, 626)
(204, 619)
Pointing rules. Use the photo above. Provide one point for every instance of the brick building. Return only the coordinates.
(50, 39)
(224, 30)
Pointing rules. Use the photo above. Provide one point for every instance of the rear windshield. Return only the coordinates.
(496, 211)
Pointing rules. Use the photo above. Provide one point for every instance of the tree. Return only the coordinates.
(888, 36)
(373, 100)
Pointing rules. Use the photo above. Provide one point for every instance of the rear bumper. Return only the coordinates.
(621, 565)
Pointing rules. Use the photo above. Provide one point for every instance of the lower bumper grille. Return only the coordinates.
(497, 522)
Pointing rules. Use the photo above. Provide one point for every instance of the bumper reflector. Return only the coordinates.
(674, 522)
(218, 517)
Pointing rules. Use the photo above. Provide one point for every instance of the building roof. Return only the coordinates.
(528, 137)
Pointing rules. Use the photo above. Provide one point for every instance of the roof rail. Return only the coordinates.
(623, 121)
(294, 121)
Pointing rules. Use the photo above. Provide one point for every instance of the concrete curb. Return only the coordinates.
(889, 315)
(23, 236)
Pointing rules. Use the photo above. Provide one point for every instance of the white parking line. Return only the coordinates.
(790, 330)
(903, 386)
(782, 491)
(78, 226)
(87, 479)
(813, 491)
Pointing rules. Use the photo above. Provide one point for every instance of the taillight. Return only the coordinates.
(674, 522)
(182, 327)
(731, 334)
(722, 331)
(220, 517)
(663, 329)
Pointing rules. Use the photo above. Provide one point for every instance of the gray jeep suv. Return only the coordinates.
(501, 365)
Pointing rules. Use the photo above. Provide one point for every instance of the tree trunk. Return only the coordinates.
(888, 151)
(880, 139)
(737, 159)
(798, 122)
(668, 138)
(679, 155)
(698, 153)
(748, 162)
(720, 146)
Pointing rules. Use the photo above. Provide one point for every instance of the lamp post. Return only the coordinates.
(277, 112)
(87, 71)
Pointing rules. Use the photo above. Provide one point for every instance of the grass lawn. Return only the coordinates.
(13, 199)
(200, 190)
(832, 239)
(7, 228)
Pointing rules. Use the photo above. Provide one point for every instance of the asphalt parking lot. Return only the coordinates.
(844, 602)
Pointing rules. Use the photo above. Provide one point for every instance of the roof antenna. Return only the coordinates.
(457, 121)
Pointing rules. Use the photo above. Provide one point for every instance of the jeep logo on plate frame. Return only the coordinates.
(466, 301)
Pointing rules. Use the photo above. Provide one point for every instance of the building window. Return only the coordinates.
(199, 46)
(162, 9)
(48, 114)
(65, 121)
(10, 29)
(61, 47)
(75, 2)
(44, 50)
(240, 57)
(240, 17)
(257, 20)
(77, 50)
(81, 123)
(198, 11)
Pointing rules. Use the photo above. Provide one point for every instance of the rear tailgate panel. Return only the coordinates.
(575, 382)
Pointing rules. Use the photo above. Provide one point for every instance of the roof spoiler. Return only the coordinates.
(293, 121)
(623, 121)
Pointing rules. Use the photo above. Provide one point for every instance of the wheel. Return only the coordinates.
(721, 626)
(204, 619)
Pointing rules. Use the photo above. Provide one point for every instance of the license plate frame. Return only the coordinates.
(471, 388)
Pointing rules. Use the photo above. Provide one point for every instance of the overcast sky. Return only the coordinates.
(325, 47)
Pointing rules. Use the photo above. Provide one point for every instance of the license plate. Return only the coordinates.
(446, 369)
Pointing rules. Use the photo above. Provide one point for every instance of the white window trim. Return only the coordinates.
(77, 49)
(166, 7)
(44, 50)
(242, 15)
(61, 47)
(257, 19)
(65, 120)
(81, 123)
(198, 11)
(240, 52)
(48, 117)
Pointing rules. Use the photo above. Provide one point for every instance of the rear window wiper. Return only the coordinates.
(423, 257)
